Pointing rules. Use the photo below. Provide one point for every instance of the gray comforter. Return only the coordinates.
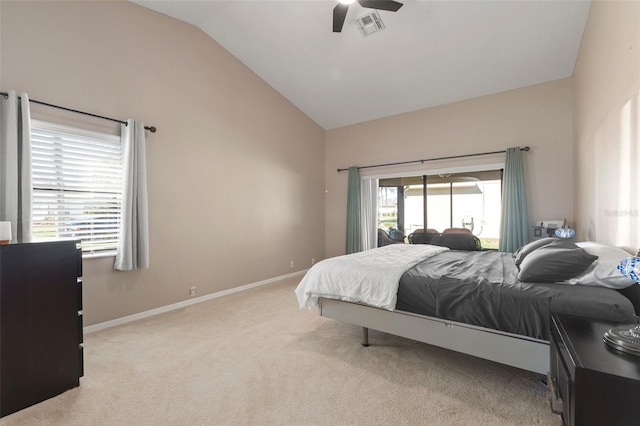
(482, 288)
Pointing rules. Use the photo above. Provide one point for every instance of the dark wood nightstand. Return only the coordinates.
(591, 383)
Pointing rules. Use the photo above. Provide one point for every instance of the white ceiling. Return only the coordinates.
(431, 52)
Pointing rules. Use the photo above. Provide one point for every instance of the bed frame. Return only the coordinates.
(506, 348)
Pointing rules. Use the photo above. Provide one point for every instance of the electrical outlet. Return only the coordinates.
(192, 291)
(313, 261)
(292, 264)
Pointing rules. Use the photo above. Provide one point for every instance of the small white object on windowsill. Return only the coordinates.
(5, 232)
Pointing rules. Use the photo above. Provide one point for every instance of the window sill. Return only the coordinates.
(97, 255)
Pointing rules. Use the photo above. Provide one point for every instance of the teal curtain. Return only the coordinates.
(514, 224)
(354, 239)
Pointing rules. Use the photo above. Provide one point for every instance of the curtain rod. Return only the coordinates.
(152, 129)
(526, 148)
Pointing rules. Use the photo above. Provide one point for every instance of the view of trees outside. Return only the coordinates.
(387, 208)
(476, 206)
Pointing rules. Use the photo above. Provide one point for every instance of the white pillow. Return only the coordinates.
(603, 271)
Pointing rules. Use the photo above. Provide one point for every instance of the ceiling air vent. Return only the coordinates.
(370, 23)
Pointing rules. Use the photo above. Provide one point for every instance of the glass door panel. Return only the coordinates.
(413, 208)
(470, 200)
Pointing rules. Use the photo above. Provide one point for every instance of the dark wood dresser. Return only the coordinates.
(591, 383)
(40, 322)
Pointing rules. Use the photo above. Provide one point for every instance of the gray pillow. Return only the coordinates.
(554, 263)
(527, 249)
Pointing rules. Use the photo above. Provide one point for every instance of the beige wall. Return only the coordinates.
(538, 116)
(235, 172)
(606, 122)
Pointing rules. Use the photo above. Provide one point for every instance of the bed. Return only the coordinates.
(472, 302)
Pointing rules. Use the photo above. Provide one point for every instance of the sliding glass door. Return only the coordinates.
(470, 200)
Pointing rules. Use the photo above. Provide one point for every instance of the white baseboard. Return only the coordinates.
(184, 303)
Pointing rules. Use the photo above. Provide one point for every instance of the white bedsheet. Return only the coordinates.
(370, 277)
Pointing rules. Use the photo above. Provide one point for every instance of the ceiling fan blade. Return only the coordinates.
(339, 15)
(390, 5)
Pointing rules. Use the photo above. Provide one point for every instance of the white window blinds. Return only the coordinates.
(77, 186)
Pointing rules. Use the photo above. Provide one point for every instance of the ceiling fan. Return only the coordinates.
(340, 11)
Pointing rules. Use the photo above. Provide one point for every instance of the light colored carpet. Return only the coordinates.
(254, 358)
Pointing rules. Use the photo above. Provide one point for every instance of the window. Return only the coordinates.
(388, 207)
(77, 186)
(469, 200)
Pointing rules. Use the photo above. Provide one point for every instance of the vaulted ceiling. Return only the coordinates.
(430, 52)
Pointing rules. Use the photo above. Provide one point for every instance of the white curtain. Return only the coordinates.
(369, 211)
(133, 245)
(16, 191)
